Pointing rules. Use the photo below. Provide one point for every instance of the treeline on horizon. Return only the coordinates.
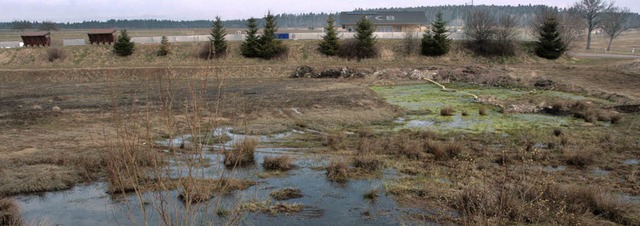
(454, 14)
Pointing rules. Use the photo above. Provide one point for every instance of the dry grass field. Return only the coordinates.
(91, 116)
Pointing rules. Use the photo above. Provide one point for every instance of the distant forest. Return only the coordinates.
(453, 14)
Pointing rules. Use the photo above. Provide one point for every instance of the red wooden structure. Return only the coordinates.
(40, 38)
(102, 36)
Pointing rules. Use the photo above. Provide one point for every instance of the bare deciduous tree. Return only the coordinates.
(591, 13)
(505, 35)
(480, 26)
(614, 22)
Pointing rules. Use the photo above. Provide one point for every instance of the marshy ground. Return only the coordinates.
(540, 145)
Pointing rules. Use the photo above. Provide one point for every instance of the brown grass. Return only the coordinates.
(282, 163)
(367, 162)
(9, 212)
(195, 190)
(336, 140)
(242, 155)
(447, 111)
(482, 111)
(407, 147)
(542, 204)
(337, 171)
(580, 159)
(443, 151)
(54, 54)
(286, 194)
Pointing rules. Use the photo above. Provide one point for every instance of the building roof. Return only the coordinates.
(102, 31)
(35, 33)
(385, 18)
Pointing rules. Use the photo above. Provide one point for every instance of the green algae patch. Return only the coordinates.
(466, 116)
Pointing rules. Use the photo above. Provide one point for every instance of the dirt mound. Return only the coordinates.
(632, 68)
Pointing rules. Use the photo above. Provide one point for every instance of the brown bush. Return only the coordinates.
(350, 49)
(282, 163)
(242, 154)
(337, 170)
(580, 159)
(367, 162)
(54, 54)
(407, 147)
(447, 111)
(336, 140)
(482, 111)
(206, 51)
(616, 118)
(444, 151)
(9, 212)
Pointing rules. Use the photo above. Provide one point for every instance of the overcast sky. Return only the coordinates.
(79, 10)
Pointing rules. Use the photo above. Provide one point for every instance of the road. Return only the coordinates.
(606, 55)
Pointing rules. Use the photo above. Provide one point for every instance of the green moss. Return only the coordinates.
(416, 98)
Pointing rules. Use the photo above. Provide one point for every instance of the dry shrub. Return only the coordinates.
(366, 133)
(242, 154)
(444, 151)
(372, 145)
(336, 140)
(588, 199)
(580, 159)
(367, 162)
(9, 212)
(337, 171)
(286, 194)
(350, 49)
(195, 190)
(206, 51)
(407, 147)
(447, 111)
(282, 162)
(54, 54)
(482, 111)
(128, 167)
(557, 132)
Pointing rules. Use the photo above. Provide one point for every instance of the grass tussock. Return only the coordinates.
(337, 171)
(267, 207)
(580, 159)
(407, 147)
(9, 212)
(447, 111)
(242, 154)
(336, 140)
(443, 151)
(482, 111)
(282, 163)
(543, 204)
(195, 190)
(371, 194)
(286, 194)
(367, 162)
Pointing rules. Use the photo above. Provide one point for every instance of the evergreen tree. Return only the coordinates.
(123, 46)
(217, 38)
(366, 42)
(164, 47)
(251, 45)
(436, 42)
(550, 44)
(270, 46)
(330, 42)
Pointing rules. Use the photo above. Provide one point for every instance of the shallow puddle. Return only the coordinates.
(325, 202)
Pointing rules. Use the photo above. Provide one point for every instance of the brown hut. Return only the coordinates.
(40, 38)
(102, 36)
